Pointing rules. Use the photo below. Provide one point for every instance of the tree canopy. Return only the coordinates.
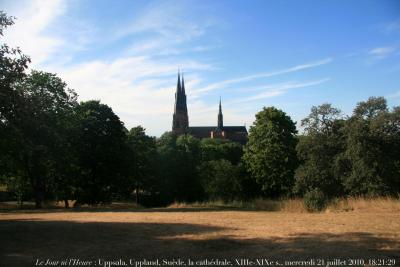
(270, 154)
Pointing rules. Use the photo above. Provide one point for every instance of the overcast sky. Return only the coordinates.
(289, 54)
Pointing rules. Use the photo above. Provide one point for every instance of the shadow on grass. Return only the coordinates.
(24, 241)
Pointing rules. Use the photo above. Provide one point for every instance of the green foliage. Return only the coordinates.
(315, 200)
(100, 147)
(373, 144)
(215, 149)
(222, 173)
(12, 70)
(358, 156)
(141, 161)
(178, 158)
(270, 154)
(220, 179)
(322, 119)
(39, 123)
(370, 109)
(319, 151)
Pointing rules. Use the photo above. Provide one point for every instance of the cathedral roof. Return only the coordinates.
(235, 133)
(201, 131)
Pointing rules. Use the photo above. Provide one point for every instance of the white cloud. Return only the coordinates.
(167, 28)
(140, 90)
(382, 52)
(279, 90)
(28, 31)
(223, 84)
(167, 20)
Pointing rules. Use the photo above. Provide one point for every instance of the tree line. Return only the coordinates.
(53, 147)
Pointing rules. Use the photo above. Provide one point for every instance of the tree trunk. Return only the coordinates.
(39, 193)
(137, 195)
(38, 201)
(66, 203)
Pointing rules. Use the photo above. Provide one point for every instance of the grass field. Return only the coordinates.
(197, 233)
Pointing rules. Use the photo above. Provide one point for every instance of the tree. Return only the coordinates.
(215, 149)
(188, 184)
(168, 169)
(220, 180)
(371, 108)
(12, 70)
(270, 154)
(178, 159)
(39, 126)
(141, 161)
(100, 148)
(33, 113)
(373, 142)
(319, 150)
(322, 119)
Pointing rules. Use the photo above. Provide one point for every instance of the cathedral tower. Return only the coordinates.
(220, 117)
(180, 121)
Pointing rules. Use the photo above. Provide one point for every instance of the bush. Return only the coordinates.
(315, 200)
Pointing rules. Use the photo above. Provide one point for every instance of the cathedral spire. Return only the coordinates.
(178, 93)
(180, 121)
(178, 85)
(184, 106)
(183, 84)
(220, 117)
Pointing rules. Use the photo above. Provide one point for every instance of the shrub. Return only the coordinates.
(315, 200)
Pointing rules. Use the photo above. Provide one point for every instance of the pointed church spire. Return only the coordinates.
(220, 117)
(183, 84)
(180, 121)
(178, 85)
(178, 96)
(183, 94)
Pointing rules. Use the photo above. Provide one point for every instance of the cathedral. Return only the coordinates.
(180, 121)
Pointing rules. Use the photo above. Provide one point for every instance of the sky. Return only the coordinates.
(253, 54)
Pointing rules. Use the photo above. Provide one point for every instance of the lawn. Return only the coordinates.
(27, 237)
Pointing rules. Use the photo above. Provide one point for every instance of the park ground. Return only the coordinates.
(197, 233)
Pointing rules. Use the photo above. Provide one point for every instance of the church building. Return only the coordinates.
(180, 121)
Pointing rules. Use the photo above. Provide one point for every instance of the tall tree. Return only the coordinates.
(13, 64)
(188, 186)
(141, 161)
(270, 154)
(373, 162)
(100, 147)
(39, 125)
(318, 151)
(12, 70)
(33, 113)
(178, 159)
(168, 169)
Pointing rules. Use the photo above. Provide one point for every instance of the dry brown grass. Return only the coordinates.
(364, 231)
(380, 204)
(13, 205)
